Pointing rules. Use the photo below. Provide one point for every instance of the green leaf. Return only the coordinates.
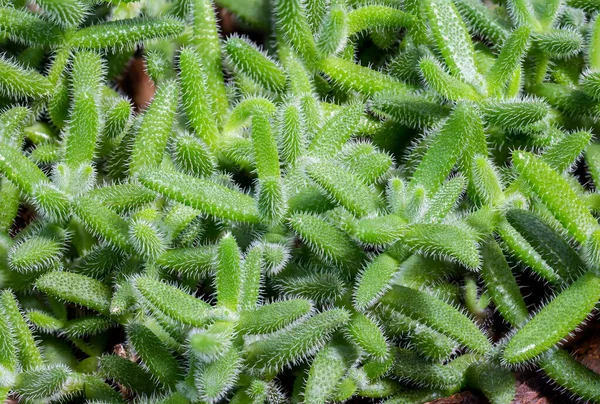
(126, 33)
(368, 335)
(547, 11)
(17, 81)
(447, 86)
(410, 366)
(509, 60)
(264, 146)
(35, 254)
(486, 181)
(293, 26)
(75, 288)
(86, 326)
(351, 76)
(50, 382)
(588, 5)
(445, 240)
(327, 241)
(334, 32)
(229, 277)
(192, 261)
(12, 122)
(546, 242)
(453, 40)
(275, 351)
(117, 115)
(445, 149)
(205, 38)
(481, 21)
(445, 199)
(255, 13)
(344, 188)
(413, 110)
(123, 198)
(58, 105)
(146, 237)
(155, 129)
(593, 55)
(502, 286)
(498, 384)
(66, 13)
(206, 196)
(571, 101)
(27, 351)
(195, 98)
(212, 342)
(337, 130)
(324, 375)
(591, 85)
(213, 380)
(377, 17)
(592, 158)
(154, 355)
(127, 373)
(10, 199)
(438, 315)
(275, 253)
(245, 58)
(158, 64)
(323, 287)
(291, 132)
(514, 114)
(8, 353)
(243, 111)
(374, 280)
(373, 389)
(523, 14)
(315, 13)
(172, 301)
(252, 282)
(274, 316)
(561, 43)
(554, 321)
(84, 125)
(25, 27)
(365, 161)
(570, 374)
(516, 244)
(562, 155)
(103, 222)
(377, 230)
(556, 194)
(427, 342)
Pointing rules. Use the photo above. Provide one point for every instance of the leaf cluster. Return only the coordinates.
(339, 212)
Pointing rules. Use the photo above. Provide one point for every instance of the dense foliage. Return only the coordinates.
(343, 211)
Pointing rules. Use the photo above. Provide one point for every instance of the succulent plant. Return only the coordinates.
(339, 208)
